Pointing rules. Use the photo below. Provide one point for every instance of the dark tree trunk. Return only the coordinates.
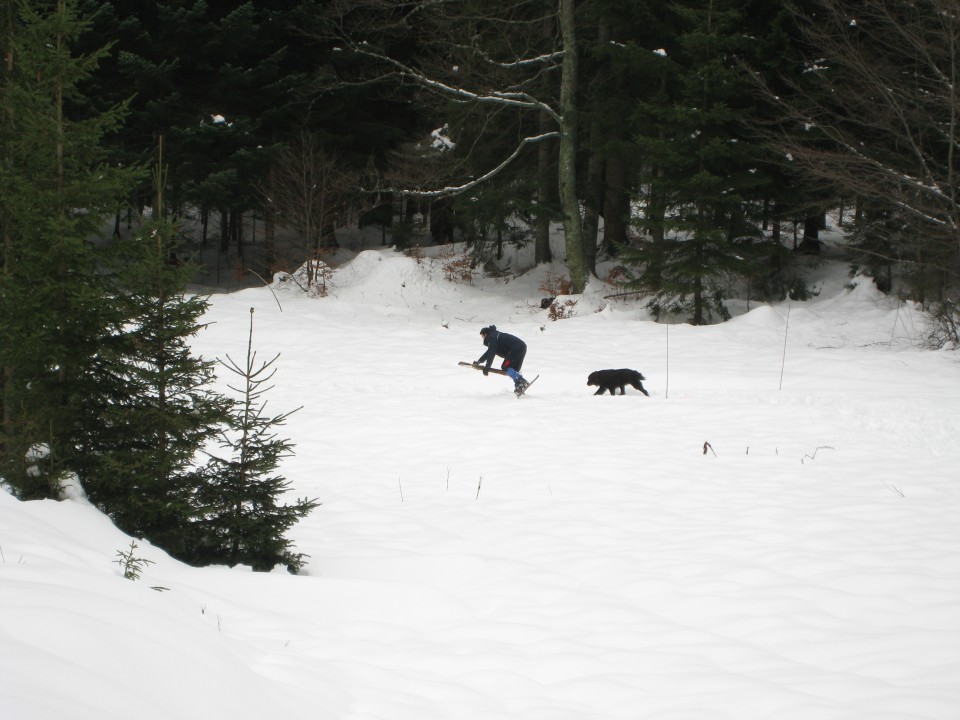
(811, 234)
(616, 205)
(569, 201)
(224, 230)
(236, 229)
(328, 238)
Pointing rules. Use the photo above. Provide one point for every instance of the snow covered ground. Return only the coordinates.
(774, 533)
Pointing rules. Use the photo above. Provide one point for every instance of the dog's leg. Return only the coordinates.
(600, 391)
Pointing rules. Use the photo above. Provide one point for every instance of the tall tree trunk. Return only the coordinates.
(224, 230)
(776, 223)
(6, 429)
(542, 253)
(593, 200)
(594, 190)
(811, 234)
(953, 137)
(656, 222)
(269, 240)
(569, 206)
(236, 229)
(616, 204)
(657, 210)
(63, 301)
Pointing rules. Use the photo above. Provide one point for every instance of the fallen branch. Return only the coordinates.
(624, 294)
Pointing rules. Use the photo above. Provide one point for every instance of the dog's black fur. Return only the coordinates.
(613, 379)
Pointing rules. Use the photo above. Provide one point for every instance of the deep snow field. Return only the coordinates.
(774, 533)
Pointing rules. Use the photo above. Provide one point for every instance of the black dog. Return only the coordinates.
(613, 379)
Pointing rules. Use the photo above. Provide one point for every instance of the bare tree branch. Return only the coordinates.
(496, 59)
(879, 107)
(457, 189)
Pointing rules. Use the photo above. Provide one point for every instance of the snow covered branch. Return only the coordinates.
(457, 189)
(509, 98)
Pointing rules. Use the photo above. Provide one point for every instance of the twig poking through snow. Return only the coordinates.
(707, 445)
(478, 487)
(814, 456)
(267, 285)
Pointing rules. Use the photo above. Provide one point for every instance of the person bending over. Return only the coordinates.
(511, 348)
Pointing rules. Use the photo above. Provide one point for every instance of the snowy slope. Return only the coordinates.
(563, 556)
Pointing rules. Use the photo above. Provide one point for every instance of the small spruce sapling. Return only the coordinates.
(244, 522)
(130, 564)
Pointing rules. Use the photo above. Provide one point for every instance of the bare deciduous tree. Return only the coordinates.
(308, 190)
(877, 114)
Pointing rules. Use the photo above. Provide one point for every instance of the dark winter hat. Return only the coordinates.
(487, 330)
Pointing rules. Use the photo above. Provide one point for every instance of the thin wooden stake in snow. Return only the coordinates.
(784, 360)
(666, 392)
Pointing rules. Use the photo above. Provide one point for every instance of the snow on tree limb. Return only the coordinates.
(457, 189)
(515, 99)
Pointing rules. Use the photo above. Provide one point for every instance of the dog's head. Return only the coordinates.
(592, 378)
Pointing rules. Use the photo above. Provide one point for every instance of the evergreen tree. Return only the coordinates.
(225, 83)
(56, 191)
(621, 66)
(153, 410)
(701, 171)
(778, 62)
(243, 520)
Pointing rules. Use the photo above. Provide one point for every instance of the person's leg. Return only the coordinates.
(519, 384)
